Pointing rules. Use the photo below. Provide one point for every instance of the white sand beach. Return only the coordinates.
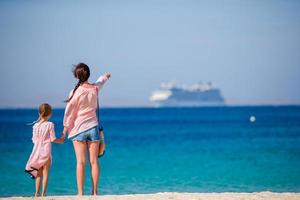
(178, 196)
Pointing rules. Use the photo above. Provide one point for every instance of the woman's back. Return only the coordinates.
(84, 105)
(80, 113)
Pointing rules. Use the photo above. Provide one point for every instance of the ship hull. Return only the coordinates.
(170, 103)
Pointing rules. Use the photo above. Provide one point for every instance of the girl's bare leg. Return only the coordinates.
(80, 151)
(38, 182)
(93, 148)
(46, 168)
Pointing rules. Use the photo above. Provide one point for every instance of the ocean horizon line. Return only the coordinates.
(162, 107)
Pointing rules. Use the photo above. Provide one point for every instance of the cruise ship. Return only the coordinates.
(200, 94)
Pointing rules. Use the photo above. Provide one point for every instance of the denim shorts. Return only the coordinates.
(90, 135)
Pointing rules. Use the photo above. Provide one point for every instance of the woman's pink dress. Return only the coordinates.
(42, 136)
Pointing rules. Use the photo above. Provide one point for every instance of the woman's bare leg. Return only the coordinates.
(46, 168)
(38, 182)
(80, 151)
(93, 148)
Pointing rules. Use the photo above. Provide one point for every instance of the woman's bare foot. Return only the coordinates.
(37, 194)
(44, 194)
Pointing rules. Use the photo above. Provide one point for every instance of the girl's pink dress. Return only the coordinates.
(42, 136)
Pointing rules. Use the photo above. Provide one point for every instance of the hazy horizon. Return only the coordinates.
(248, 49)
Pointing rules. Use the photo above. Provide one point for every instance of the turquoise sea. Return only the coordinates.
(212, 149)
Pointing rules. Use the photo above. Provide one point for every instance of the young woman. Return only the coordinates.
(39, 162)
(81, 124)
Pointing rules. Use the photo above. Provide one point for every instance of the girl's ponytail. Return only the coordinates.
(34, 122)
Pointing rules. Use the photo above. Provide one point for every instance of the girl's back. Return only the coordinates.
(43, 132)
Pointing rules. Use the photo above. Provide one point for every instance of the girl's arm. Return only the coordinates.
(102, 79)
(52, 136)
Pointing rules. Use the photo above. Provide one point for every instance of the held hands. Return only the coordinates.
(62, 138)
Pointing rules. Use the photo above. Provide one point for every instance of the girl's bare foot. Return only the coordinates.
(37, 194)
(44, 194)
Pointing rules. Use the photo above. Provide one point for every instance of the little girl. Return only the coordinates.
(39, 161)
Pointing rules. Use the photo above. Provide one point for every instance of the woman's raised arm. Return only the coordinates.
(102, 79)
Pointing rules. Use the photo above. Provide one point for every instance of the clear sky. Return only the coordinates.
(249, 49)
